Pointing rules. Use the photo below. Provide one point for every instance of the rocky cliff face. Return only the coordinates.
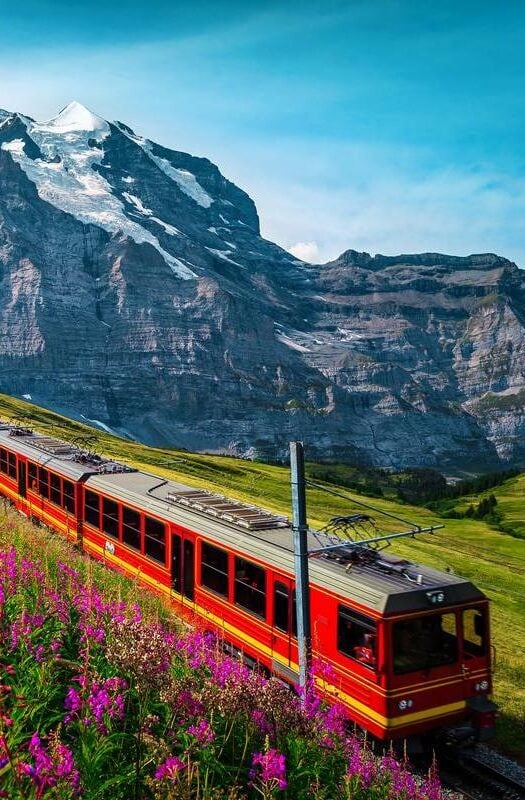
(136, 292)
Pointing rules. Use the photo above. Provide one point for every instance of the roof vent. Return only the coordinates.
(251, 518)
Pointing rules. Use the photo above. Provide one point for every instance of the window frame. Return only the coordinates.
(476, 650)
(104, 515)
(91, 508)
(410, 669)
(246, 587)
(70, 508)
(148, 538)
(53, 489)
(43, 473)
(32, 477)
(291, 607)
(367, 625)
(12, 465)
(126, 526)
(205, 566)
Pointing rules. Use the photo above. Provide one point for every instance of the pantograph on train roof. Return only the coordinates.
(80, 451)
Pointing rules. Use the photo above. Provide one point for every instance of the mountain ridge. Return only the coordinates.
(136, 291)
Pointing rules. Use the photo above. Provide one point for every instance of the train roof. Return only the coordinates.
(385, 583)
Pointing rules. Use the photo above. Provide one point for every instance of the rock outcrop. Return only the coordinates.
(137, 293)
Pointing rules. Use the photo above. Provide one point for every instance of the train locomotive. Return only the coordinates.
(405, 648)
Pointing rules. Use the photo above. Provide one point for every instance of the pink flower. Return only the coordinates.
(270, 768)
(202, 732)
(169, 769)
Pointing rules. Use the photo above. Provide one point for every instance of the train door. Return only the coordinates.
(22, 479)
(283, 618)
(183, 566)
(188, 569)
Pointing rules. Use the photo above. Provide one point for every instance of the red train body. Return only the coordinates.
(405, 648)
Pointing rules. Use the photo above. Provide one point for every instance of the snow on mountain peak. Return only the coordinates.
(74, 117)
(68, 174)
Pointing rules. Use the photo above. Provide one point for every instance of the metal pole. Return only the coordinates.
(300, 538)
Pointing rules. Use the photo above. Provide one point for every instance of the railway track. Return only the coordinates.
(483, 774)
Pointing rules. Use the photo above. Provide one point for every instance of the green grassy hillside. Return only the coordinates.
(511, 503)
(490, 558)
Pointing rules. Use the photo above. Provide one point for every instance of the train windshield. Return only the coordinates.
(423, 643)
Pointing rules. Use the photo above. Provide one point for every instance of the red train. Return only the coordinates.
(407, 647)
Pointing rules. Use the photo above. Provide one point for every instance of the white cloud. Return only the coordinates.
(452, 211)
(306, 251)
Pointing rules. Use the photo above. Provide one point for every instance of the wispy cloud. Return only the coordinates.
(306, 251)
(449, 211)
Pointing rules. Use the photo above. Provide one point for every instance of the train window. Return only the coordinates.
(55, 493)
(284, 616)
(214, 573)
(32, 476)
(176, 563)
(92, 508)
(43, 482)
(420, 644)
(11, 465)
(474, 632)
(356, 636)
(68, 496)
(131, 527)
(250, 587)
(3, 460)
(155, 539)
(110, 517)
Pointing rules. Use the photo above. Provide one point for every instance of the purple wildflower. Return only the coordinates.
(270, 769)
(202, 732)
(169, 769)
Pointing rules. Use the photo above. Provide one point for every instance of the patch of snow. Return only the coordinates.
(348, 335)
(167, 227)
(137, 202)
(100, 425)
(147, 212)
(224, 255)
(184, 179)
(291, 344)
(73, 185)
(16, 146)
(27, 397)
(223, 219)
(128, 179)
(231, 244)
(213, 230)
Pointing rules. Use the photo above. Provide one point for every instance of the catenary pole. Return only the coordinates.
(300, 538)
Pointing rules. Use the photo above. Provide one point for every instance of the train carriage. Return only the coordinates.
(405, 648)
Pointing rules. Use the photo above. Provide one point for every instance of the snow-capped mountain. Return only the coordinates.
(137, 293)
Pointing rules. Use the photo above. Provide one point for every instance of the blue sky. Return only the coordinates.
(388, 126)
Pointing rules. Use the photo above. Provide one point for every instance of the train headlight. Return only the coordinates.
(435, 598)
(404, 704)
(482, 686)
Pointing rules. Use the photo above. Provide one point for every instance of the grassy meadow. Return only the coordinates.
(490, 558)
